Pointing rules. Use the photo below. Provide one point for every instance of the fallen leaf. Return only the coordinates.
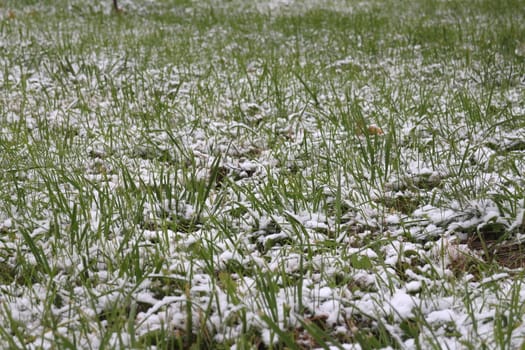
(375, 130)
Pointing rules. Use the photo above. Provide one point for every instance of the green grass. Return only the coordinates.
(201, 174)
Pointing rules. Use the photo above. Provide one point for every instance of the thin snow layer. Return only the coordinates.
(223, 214)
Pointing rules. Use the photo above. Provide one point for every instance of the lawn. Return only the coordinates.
(262, 174)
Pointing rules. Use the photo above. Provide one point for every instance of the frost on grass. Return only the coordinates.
(222, 186)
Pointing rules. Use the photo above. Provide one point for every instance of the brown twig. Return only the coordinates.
(115, 6)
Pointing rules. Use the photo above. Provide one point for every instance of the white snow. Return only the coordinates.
(125, 226)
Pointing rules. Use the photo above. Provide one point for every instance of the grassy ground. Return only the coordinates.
(262, 174)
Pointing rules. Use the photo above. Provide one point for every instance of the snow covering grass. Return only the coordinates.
(262, 174)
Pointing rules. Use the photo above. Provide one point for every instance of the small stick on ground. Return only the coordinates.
(115, 6)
